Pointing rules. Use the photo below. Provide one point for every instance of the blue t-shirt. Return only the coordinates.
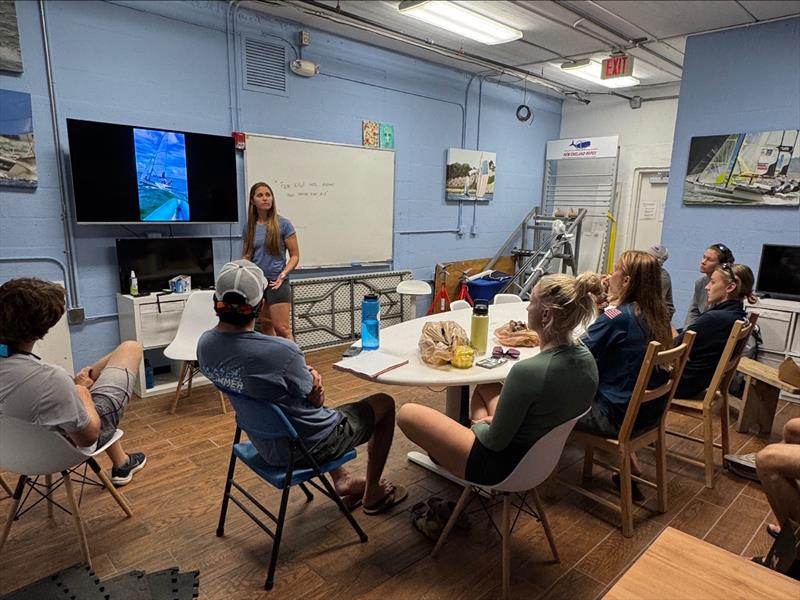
(618, 340)
(271, 264)
(272, 369)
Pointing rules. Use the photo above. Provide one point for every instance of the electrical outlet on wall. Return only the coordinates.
(305, 38)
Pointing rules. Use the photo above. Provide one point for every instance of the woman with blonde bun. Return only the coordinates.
(539, 393)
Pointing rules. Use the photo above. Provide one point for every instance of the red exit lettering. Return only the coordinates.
(617, 66)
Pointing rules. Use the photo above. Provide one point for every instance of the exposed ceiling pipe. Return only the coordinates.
(655, 39)
(349, 19)
(636, 43)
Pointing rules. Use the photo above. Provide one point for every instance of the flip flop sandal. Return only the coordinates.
(444, 510)
(774, 533)
(394, 495)
(424, 521)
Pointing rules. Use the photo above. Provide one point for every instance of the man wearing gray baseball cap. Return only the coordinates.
(273, 369)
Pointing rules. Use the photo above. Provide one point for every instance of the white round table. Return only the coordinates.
(402, 340)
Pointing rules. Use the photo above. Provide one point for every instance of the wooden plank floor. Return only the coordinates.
(176, 502)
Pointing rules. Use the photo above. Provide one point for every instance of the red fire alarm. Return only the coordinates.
(239, 140)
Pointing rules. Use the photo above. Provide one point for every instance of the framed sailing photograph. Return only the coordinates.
(161, 175)
(470, 175)
(744, 169)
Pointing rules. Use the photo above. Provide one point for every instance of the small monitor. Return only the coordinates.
(157, 260)
(779, 272)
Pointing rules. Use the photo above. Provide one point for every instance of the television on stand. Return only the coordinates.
(779, 272)
(157, 260)
(122, 174)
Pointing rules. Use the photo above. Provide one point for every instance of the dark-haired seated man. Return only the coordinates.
(236, 357)
(86, 407)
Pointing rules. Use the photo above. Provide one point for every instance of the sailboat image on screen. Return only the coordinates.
(161, 175)
(760, 169)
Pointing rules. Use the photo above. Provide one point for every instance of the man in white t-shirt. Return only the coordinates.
(86, 407)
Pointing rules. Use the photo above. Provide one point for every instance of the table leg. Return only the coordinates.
(457, 404)
(767, 404)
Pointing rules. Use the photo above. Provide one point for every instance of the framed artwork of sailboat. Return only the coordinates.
(744, 169)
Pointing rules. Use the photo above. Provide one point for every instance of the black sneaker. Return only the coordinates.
(122, 475)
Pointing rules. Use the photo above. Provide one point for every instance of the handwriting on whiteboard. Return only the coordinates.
(306, 189)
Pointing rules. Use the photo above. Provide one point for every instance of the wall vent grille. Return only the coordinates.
(264, 66)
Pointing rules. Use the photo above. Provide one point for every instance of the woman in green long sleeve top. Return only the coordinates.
(539, 393)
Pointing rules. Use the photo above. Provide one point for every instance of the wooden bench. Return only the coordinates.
(760, 397)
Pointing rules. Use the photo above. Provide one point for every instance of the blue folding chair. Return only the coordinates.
(263, 420)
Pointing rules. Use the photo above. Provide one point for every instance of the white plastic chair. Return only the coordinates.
(411, 287)
(459, 305)
(536, 466)
(506, 298)
(31, 451)
(197, 318)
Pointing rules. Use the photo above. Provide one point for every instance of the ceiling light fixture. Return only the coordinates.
(590, 70)
(459, 20)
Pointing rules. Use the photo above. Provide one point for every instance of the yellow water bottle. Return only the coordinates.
(479, 329)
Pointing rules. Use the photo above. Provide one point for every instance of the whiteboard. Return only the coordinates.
(339, 198)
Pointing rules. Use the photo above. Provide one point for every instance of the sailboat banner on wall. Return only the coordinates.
(744, 169)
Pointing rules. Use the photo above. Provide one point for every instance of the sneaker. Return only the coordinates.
(122, 475)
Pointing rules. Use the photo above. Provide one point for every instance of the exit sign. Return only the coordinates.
(617, 66)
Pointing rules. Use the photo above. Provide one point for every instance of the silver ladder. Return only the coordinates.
(534, 246)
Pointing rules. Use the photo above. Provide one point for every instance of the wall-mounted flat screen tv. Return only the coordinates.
(142, 175)
(779, 272)
(157, 260)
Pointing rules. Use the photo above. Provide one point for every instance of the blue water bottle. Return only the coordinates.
(370, 322)
(149, 374)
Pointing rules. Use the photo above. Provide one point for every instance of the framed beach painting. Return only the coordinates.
(744, 169)
(17, 152)
(470, 175)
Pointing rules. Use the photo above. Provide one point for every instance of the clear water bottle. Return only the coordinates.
(149, 374)
(370, 322)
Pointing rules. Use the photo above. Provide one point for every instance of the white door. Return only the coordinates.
(649, 215)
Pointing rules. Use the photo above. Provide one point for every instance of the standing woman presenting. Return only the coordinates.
(267, 238)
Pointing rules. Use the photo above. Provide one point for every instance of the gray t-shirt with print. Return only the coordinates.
(40, 393)
(269, 368)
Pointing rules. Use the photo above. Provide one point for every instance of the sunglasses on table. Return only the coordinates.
(498, 352)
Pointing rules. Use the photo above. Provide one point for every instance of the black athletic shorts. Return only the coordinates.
(488, 467)
(355, 427)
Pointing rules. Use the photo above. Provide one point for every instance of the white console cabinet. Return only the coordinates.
(779, 321)
(152, 321)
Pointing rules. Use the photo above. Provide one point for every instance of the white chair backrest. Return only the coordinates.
(28, 449)
(414, 287)
(506, 298)
(539, 462)
(459, 305)
(197, 318)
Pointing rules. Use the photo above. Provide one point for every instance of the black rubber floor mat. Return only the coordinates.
(130, 586)
(44, 589)
(171, 584)
(80, 583)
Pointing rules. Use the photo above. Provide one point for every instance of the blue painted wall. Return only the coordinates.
(166, 65)
(734, 81)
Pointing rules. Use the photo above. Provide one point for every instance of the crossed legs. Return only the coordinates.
(127, 355)
(778, 467)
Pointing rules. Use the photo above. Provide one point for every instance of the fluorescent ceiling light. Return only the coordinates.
(590, 70)
(459, 20)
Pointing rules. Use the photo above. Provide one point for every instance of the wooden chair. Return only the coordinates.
(628, 441)
(703, 408)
